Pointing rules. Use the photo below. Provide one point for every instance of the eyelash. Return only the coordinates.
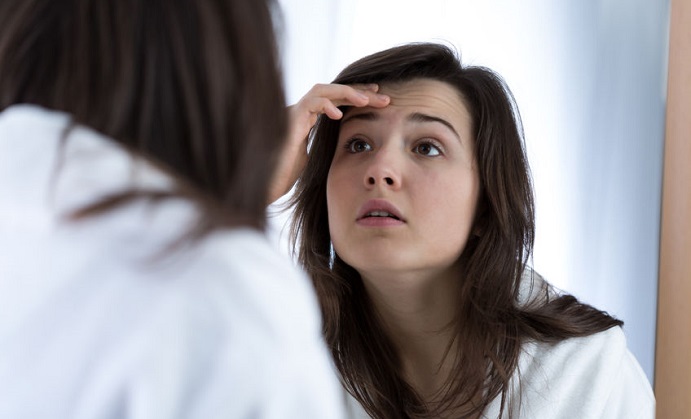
(349, 146)
(432, 144)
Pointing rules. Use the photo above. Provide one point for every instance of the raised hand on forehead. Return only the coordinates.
(320, 99)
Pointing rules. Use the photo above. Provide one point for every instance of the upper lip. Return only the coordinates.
(379, 205)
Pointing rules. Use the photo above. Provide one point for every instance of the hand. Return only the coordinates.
(321, 99)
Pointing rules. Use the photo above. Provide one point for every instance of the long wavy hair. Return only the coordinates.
(194, 86)
(493, 322)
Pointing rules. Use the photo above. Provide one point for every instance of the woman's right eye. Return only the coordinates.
(357, 145)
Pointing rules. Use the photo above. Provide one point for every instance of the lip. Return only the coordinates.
(379, 205)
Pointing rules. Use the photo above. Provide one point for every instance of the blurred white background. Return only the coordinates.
(589, 79)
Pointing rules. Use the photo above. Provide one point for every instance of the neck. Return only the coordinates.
(418, 313)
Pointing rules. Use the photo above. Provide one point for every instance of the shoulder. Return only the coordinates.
(244, 266)
(595, 375)
(223, 325)
(236, 319)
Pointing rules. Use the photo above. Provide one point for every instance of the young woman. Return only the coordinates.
(414, 218)
(135, 157)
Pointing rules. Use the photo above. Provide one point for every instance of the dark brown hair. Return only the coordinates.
(495, 322)
(192, 85)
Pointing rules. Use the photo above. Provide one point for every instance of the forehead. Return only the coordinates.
(428, 96)
(422, 92)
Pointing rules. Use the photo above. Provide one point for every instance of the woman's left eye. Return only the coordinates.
(427, 149)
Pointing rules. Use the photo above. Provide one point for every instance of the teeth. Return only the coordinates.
(380, 214)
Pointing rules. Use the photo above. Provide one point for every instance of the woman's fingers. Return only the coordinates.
(315, 105)
(322, 99)
(325, 99)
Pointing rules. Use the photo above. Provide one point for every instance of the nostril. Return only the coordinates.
(389, 181)
(370, 180)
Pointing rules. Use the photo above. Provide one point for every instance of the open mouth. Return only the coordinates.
(376, 212)
(380, 214)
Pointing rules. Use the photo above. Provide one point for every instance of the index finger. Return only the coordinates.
(351, 95)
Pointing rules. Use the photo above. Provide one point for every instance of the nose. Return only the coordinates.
(387, 180)
(384, 170)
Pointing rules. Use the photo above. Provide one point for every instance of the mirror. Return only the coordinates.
(589, 78)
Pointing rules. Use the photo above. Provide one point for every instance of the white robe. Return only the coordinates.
(94, 324)
(592, 377)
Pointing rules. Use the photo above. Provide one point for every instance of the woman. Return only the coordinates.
(415, 220)
(135, 157)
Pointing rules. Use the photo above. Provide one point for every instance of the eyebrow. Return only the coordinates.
(421, 117)
(365, 116)
(414, 117)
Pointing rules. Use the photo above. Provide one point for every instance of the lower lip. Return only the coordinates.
(379, 222)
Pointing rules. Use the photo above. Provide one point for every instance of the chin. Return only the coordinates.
(367, 265)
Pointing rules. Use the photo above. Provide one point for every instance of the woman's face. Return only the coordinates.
(403, 185)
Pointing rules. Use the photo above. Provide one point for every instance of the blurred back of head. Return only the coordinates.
(193, 85)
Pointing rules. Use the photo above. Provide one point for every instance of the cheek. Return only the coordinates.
(453, 205)
(342, 197)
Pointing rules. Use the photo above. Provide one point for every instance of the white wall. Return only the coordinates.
(589, 79)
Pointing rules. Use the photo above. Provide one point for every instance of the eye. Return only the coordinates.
(357, 145)
(427, 149)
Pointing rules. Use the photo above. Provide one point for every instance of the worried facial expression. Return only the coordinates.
(403, 185)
